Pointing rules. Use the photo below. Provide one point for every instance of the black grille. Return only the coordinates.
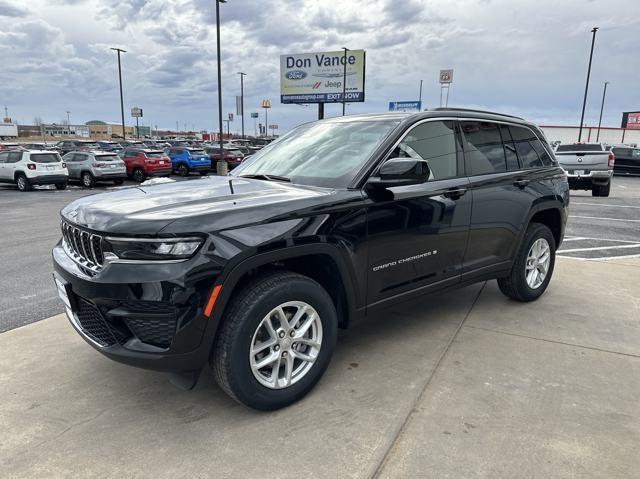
(93, 324)
(84, 247)
(156, 331)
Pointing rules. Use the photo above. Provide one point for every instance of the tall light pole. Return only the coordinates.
(221, 159)
(120, 50)
(344, 81)
(420, 95)
(242, 75)
(68, 118)
(586, 87)
(604, 94)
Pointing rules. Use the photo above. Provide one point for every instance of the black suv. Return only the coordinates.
(253, 273)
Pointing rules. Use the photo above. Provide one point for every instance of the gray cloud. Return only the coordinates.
(8, 9)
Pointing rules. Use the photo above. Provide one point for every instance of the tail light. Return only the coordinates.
(99, 165)
(31, 166)
(64, 165)
(150, 162)
(612, 160)
(82, 148)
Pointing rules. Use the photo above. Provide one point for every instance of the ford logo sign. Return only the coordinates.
(296, 75)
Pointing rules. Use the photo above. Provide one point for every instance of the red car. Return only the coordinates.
(142, 163)
(232, 156)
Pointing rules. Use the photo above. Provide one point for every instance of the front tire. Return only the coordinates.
(533, 265)
(61, 186)
(139, 175)
(265, 361)
(183, 170)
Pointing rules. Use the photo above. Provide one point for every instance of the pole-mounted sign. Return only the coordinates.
(446, 76)
(136, 112)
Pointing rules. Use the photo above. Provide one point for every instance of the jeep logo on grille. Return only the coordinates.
(296, 75)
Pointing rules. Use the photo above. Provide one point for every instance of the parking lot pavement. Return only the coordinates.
(467, 384)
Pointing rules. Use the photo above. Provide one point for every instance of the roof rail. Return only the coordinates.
(443, 108)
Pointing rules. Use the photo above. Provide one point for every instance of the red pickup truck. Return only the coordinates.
(142, 163)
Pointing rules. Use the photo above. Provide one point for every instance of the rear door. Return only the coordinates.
(3, 160)
(417, 234)
(498, 182)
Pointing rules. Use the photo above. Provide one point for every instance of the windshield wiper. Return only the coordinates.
(266, 177)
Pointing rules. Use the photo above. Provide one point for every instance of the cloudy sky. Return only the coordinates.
(527, 58)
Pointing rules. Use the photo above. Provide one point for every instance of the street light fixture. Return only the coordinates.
(120, 50)
(586, 87)
(604, 94)
(344, 81)
(223, 167)
(242, 75)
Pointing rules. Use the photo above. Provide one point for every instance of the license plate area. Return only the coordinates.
(578, 172)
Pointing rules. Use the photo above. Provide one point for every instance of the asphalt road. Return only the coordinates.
(598, 228)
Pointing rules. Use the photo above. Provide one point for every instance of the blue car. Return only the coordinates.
(184, 160)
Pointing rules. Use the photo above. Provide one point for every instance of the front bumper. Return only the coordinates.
(145, 315)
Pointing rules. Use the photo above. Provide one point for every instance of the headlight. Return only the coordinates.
(154, 249)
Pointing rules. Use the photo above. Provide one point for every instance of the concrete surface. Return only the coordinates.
(467, 384)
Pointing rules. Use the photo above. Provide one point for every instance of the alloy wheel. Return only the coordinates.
(538, 260)
(285, 345)
(22, 183)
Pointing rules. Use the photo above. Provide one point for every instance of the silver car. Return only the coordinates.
(91, 167)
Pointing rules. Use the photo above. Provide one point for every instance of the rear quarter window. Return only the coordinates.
(524, 140)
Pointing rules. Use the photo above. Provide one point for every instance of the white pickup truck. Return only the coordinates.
(589, 166)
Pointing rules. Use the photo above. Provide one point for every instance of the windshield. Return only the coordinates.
(108, 157)
(580, 147)
(321, 154)
(197, 152)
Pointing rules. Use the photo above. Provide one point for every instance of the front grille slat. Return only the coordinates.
(84, 247)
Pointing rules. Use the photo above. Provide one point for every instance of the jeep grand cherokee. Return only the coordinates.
(253, 273)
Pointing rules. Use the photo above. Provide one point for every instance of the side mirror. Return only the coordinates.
(400, 172)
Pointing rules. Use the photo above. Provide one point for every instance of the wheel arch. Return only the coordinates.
(552, 219)
(323, 263)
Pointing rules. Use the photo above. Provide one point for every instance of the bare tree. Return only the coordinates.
(37, 121)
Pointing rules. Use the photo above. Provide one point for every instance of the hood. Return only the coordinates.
(149, 209)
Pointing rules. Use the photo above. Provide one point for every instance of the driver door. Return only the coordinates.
(418, 235)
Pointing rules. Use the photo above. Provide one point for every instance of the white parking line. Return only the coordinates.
(602, 239)
(606, 206)
(604, 219)
(574, 239)
(602, 258)
(637, 245)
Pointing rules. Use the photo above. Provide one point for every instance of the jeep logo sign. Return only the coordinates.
(296, 75)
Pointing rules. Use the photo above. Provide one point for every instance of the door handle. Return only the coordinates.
(455, 193)
(521, 183)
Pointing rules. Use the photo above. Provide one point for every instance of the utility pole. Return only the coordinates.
(242, 75)
(586, 87)
(344, 81)
(68, 118)
(420, 95)
(604, 94)
(224, 166)
(120, 50)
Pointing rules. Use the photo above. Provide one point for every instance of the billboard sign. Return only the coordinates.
(414, 105)
(319, 77)
(446, 76)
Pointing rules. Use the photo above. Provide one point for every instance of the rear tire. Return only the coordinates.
(204, 173)
(244, 327)
(183, 170)
(23, 183)
(139, 175)
(516, 285)
(87, 180)
(61, 186)
(601, 190)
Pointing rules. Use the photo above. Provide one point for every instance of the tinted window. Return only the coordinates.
(107, 157)
(483, 148)
(509, 149)
(545, 158)
(435, 142)
(197, 152)
(45, 158)
(14, 157)
(523, 138)
(580, 147)
(621, 151)
(154, 154)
